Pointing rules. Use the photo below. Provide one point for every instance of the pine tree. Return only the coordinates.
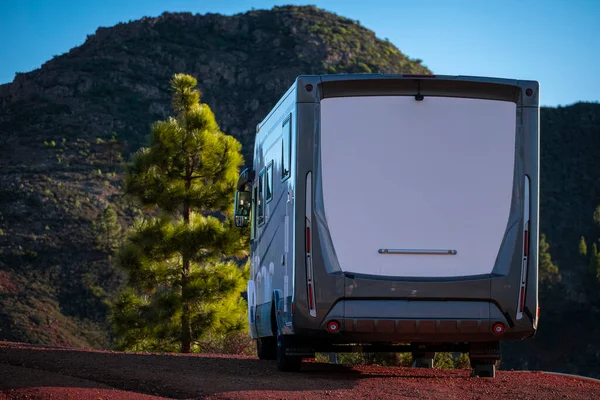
(108, 228)
(595, 261)
(582, 247)
(548, 271)
(596, 216)
(183, 282)
(595, 257)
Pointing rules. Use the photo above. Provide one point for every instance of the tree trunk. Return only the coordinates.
(186, 333)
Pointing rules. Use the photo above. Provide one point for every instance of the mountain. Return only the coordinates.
(67, 128)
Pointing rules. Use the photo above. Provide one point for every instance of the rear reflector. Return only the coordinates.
(333, 326)
(498, 329)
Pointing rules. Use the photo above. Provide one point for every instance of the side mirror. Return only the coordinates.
(246, 177)
(242, 208)
(243, 198)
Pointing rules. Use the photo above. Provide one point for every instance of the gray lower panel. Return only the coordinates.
(415, 317)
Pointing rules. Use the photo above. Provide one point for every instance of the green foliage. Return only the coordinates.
(549, 272)
(595, 261)
(190, 160)
(597, 215)
(108, 229)
(582, 247)
(462, 361)
(444, 360)
(183, 284)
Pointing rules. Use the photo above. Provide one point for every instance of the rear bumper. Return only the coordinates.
(397, 321)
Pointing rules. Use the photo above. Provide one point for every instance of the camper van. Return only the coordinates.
(394, 213)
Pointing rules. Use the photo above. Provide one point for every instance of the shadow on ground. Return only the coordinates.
(168, 375)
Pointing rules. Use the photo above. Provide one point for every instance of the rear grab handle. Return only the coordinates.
(447, 252)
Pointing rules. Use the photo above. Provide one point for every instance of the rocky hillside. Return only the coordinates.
(66, 128)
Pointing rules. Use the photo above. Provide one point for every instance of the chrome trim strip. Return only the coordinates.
(449, 252)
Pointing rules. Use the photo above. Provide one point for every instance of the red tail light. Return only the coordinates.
(308, 248)
(525, 258)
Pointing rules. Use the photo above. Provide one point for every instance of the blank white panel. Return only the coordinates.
(403, 174)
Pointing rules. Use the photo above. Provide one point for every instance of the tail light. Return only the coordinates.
(310, 285)
(525, 250)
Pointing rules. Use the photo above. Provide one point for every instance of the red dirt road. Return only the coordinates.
(28, 372)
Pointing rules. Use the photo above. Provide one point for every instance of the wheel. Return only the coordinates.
(286, 362)
(266, 348)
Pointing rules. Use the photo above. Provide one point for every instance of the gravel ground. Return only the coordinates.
(29, 372)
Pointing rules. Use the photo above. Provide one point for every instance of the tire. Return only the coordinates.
(286, 363)
(266, 348)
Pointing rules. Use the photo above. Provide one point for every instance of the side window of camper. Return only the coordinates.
(269, 183)
(254, 201)
(286, 149)
(261, 197)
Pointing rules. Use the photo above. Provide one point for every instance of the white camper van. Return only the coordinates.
(394, 213)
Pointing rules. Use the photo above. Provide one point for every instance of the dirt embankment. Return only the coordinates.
(28, 372)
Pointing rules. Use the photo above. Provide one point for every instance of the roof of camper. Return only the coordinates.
(351, 77)
(328, 78)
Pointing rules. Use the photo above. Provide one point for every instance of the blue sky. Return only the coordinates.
(556, 42)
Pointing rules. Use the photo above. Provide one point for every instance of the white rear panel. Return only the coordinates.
(403, 174)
